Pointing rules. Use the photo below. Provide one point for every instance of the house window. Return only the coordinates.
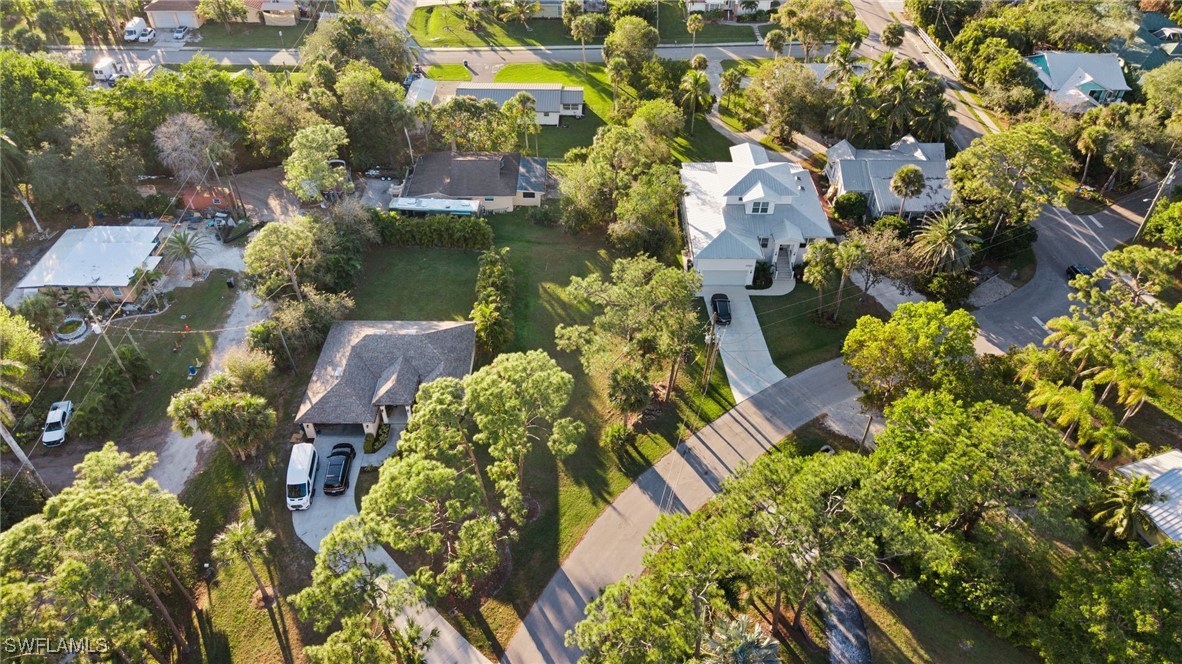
(528, 194)
(489, 198)
(763, 243)
(760, 207)
(117, 292)
(803, 245)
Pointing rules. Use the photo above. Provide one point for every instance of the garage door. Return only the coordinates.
(724, 278)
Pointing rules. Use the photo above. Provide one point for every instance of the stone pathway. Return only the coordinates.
(844, 628)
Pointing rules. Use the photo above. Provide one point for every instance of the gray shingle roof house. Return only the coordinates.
(499, 181)
(747, 210)
(1078, 81)
(1154, 43)
(370, 371)
(553, 100)
(870, 172)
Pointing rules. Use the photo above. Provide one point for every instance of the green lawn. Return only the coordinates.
(572, 493)
(441, 26)
(795, 341)
(749, 65)
(706, 144)
(919, 630)
(449, 73)
(672, 28)
(249, 35)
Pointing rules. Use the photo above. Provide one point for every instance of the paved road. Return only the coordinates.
(1063, 239)
(679, 483)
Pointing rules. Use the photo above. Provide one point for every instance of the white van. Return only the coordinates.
(301, 476)
(131, 31)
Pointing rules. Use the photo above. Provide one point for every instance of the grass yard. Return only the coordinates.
(918, 629)
(249, 35)
(449, 73)
(441, 25)
(572, 493)
(795, 341)
(671, 25)
(749, 65)
(706, 145)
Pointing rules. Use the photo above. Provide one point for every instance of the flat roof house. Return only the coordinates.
(1078, 81)
(870, 172)
(554, 101)
(747, 210)
(369, 372)
(499, 181)
(1165, 477)
(99, 260)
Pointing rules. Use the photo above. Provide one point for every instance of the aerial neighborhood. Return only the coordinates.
(601, 331)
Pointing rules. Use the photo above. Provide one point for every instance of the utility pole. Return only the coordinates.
(101, 331)
(1160, 187)
(20, 454)
(286, 349)
(712, 344)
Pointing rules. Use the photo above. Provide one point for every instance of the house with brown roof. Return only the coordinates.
(498, 181)
(369, 372)
(169, 14)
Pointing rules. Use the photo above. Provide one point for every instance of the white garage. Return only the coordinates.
(169, 14)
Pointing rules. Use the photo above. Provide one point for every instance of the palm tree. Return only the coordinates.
(935, 121)
(1069, 407)
(774, 41)
(898, 101)
(843, 65)
(10, 393)
(186, 246)
(1079, 339)
(77, 299)
(884, 69)
(699, 62)
(907, 182)
(696, 88)
(520, 10)
(847, 257)
(942, 244)
(1091, 141)
(523, 108)
(42, 312)
(819, 269)
(741, 641)
(1107, 442)
(1121, 513)
(617, 72)
(853, 116)
(730, 82)
(13, 169)
(583, 28)
(242, 541)
(148, 278)
(749, 5)
(694, 25)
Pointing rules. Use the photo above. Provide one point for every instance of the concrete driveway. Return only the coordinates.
(749, 366)
(315, 522)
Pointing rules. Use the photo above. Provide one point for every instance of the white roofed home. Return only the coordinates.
(553, 101)
(1078, 81)
(747, 210)
(1165, 478)
(100, 261)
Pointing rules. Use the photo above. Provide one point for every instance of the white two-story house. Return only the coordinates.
(748, 210)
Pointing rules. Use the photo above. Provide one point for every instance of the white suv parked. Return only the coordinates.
(56, 423)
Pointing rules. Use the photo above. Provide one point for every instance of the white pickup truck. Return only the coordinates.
(56, 423)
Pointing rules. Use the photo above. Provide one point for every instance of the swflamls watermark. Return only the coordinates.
(46, 645)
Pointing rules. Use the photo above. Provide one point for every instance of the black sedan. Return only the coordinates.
(336, 474)
(1078, 269)
(721, 305)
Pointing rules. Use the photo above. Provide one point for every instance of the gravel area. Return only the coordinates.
(991, 291)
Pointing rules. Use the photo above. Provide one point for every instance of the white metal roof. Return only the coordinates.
(421, 89)
(1165, 477)
(718, 230)
(98, 256)
(1068, 69)
(549, 96)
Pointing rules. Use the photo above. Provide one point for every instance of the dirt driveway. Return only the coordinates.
(265, 197)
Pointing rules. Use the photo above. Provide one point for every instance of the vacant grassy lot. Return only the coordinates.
(918, 629)
(573, 492)
(706, 144)
(442, 26)
(449, 73)
(672, 28)
(249, 35)
(794, 339)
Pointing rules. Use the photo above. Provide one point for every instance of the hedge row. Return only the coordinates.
(434, 231)
(492, 312)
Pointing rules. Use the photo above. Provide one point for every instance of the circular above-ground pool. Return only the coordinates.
(72, 330)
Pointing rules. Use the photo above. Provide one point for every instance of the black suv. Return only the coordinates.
(336, 474)
(1078, 269)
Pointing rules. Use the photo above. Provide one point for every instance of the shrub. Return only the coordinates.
(434, 231)
(615, 437)
(103, 408)
(1009, 241)
(850, 206)
(951, 289)
(892, 34)
(893, 223)
(374, 443)
(546, 214)
(494, 297)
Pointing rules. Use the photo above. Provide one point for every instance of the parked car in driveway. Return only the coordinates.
(301, 476)
(720, 304)
(1078, 269)
(56, 423)
(147, 35)
(181, 32)
(336, 473)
